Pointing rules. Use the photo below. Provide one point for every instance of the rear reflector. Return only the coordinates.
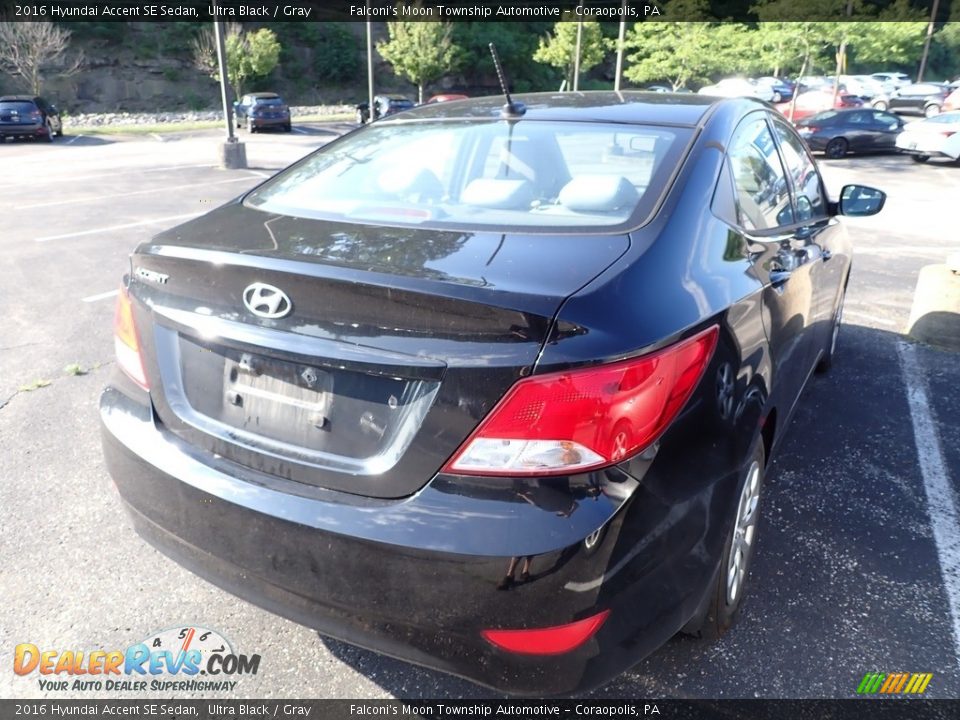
(547, 641)
(126, 342)
(579, 420)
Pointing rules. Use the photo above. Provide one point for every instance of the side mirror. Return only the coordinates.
(860, 201)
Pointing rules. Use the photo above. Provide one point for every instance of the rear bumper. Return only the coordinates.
(24, 130)
(420, 578)
(269, 122)
(932, 147)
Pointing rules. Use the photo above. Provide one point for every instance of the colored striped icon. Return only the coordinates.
(894, 683)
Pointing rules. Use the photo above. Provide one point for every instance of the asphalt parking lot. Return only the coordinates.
(859, 521)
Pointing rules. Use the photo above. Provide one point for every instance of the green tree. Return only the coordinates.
(682, 52)
(249, 54)
(421, 52)
(516, 43)
(945, 49)
(336, 54)
(558, 49)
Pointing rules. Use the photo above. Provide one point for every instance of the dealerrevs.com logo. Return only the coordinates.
(183, 659)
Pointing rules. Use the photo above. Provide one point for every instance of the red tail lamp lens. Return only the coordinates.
(584, 419)
(547, 641)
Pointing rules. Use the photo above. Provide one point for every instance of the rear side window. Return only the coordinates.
(482, 173)
(760, 183)
(811, 203)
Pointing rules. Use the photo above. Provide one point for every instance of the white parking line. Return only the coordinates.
(298, 130)
(940, 503)
(72, 140)
(263, 175)
(101, 296)
(156, 137)
(128, 194)
(119, 227)
(112, 173)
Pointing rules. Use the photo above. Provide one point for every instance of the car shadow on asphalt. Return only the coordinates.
(73, 140)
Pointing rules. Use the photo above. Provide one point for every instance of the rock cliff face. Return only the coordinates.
(118, 85)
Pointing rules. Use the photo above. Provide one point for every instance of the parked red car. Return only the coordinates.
(816, 101)
(446, 97)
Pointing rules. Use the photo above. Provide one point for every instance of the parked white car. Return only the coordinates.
(934, 137)
(892, 80)
(738, 87)
(864, 86)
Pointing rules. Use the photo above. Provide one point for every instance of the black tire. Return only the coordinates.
(920, 158)
(361, 117)
(288, 128)
(50, 133)
(931, 110)
(836, 148)
(826, 361)
(722, 609)
(879, 105)
(250, 126)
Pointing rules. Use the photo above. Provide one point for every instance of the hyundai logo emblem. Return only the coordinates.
(266, 301)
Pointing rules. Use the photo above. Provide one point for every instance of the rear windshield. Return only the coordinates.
(482, 174)
(19, 107)
(269, 101)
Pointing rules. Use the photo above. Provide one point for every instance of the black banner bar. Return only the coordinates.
(101, 11)
(874, 708)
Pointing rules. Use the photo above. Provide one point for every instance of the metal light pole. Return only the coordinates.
(576, 60)
(369, 65)
(623, 30)
(926, 42)
(233, 154)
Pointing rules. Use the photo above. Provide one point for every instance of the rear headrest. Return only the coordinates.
(498, 193)
(598, 193)
(424, 185)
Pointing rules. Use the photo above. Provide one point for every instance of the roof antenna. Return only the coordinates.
(511, 109)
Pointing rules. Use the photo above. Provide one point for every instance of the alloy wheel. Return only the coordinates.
(744, 533)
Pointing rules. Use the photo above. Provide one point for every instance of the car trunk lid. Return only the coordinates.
(395, 344)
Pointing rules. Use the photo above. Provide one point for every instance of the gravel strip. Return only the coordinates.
(106, 119)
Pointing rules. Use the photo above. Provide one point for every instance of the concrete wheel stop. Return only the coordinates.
(935, 316)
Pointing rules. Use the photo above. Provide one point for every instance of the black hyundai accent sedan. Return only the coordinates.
(489, 389)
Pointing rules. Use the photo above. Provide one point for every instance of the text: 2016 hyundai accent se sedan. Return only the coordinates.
(488, 389)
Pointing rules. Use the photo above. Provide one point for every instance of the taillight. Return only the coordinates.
(547, 641)
(579, 420)
(126, 343)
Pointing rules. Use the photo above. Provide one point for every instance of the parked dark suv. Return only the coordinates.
(262, 110)
(29, 116)
(925, 98)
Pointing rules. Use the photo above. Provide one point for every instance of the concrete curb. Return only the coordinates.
(935, 316)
